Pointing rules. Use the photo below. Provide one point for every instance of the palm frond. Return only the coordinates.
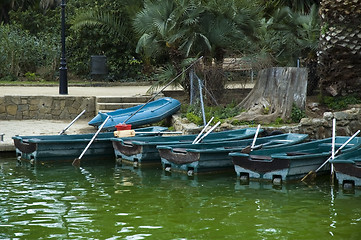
(107, 21)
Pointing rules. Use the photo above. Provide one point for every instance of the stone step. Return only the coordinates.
(107, 104)
(114, 106)
(135, 99)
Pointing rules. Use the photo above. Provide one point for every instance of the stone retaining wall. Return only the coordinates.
(45, 107)
(347, 123)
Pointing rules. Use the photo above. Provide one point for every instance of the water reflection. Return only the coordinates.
(106, 201)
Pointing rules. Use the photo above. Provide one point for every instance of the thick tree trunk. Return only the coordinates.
(274, 94)
(339, 53)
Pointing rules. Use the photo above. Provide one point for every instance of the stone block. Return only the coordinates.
(328, 116)
(12, 110)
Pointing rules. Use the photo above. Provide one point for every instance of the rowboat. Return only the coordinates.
(63, 148)
(138, 151)
(210, 157)
(152, 112)
(288, 163)
(347, 167)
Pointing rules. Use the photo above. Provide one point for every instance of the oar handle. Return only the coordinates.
(162, 89)
(69, 125)
(255, 136)
(206, 134)
(196, 139)
(95, 135)
(338, 150)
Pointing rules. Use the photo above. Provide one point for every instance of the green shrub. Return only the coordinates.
(297, 114)
(339, 103)
(21, 52)
(194, 114)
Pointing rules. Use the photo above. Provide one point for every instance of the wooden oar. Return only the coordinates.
(69, 125)
(151, 99)
(312, 174)
(249, 149)
(76, 161)
(206, 134)
(205, 127)
(333, 146)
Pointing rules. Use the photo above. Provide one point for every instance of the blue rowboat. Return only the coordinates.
(63, 148)
(288, 163)
(138, 150)
(347, 167)
(210, 157)
(152, 112)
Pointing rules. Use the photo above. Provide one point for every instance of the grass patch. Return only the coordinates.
(341, 102)
(194, 113)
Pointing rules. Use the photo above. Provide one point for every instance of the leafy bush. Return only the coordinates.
(22, 52)
(297, 114)
(339, 103)
(194, 114)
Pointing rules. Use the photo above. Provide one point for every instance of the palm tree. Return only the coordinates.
(300, 6)
(340, 47)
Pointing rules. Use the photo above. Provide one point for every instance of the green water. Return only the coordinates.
(120, 202)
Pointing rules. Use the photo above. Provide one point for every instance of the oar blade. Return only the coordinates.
(76, 162)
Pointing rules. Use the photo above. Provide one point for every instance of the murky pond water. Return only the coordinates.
(106, 201)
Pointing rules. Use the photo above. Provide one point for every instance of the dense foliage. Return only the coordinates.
(23, 53)
(143, 37)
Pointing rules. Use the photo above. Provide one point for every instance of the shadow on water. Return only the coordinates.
(107, 201)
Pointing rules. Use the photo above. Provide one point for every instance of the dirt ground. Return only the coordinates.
(313, 108)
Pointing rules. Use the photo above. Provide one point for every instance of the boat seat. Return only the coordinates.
(180, 150)
(297, 153)
(260, 157)
(336, 145)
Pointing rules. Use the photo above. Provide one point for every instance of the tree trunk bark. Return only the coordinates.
(274, 94)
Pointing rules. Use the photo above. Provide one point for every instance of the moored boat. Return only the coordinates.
(138, 151)
(63, 148)
(150, 113)
(209, 157)
(347, 168)
(288, 163)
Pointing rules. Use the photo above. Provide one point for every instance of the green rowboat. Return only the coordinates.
(288, 163)
(138, 150)
(347, 167)
(211, 157)
(64, 148)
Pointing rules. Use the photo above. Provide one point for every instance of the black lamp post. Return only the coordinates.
(63, 79)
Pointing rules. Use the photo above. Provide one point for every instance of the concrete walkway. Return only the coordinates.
(10, 128)
(74, 91)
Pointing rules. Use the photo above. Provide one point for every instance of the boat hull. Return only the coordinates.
(268, 169)
(144, 151)
(152, 112)
(39, 150)
(210, 157)
(65, 148)
(288, 163)
(347, 167)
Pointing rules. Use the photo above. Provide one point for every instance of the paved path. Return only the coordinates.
(41, 127)
(74, 91)
(11, 128)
